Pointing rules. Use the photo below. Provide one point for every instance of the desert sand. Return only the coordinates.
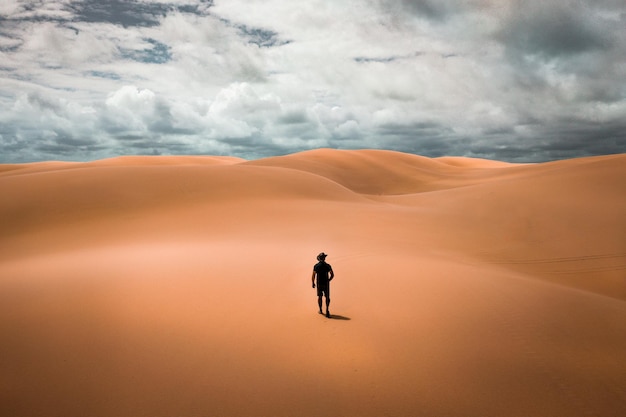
(181, 286)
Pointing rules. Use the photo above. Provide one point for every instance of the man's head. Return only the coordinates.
(321, 256)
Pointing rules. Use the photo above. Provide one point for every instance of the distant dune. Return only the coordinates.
(180, 286)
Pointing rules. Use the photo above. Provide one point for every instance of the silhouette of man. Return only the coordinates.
(324, 273)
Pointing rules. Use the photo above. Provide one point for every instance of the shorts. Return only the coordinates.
(323, 288)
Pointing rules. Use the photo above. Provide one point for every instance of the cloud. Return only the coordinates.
(42, 124)
(517, 80)
(426, 9)
(554, 30)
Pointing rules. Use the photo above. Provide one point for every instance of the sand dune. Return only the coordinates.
(180, 286)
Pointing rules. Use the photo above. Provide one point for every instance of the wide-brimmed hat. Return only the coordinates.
(321, 256)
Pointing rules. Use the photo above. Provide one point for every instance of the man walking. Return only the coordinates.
(325, 274)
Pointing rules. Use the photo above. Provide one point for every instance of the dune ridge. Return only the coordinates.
(181, 286)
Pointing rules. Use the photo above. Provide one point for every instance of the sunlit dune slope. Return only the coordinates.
(122, 161)
(68, 194)
(562, 221)
(472, 162)
(181, 286)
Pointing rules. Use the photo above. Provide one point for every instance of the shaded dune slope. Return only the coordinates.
(376, 172)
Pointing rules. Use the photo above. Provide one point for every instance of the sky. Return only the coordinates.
(512, 80)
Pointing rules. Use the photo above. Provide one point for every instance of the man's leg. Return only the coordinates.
(327, 304)
(319, 302)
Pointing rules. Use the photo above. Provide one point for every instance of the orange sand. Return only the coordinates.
(180, 286)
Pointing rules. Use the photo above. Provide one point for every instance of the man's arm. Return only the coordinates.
(332, 274)
(313, 279)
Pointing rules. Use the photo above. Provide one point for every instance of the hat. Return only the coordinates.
(321, 256)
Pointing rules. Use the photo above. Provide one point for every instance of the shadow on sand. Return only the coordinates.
(338, 317)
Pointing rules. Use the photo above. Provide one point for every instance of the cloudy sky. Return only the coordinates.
(515, 80)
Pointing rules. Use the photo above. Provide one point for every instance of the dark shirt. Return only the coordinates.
(322, 269)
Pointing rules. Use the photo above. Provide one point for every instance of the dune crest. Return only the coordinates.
(169, 286)
(122, 161)
(378, 172)
(473, 162)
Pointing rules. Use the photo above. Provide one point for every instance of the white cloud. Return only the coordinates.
(43, 9)
(240, 98)
(10, 7)
(132, 99)
(263, 77)
(52, 45)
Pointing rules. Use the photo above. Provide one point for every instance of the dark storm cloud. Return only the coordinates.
(149, 143)
(434, 10)
(10, 142)
(562, 139)
(424, 138)
(419, 129)
(255, 147)
(63, 143)
(574, 138)
(294, 118)
(553, 30)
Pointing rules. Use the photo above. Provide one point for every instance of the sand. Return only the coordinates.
(180, 286)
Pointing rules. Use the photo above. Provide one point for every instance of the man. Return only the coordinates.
(325, 274)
